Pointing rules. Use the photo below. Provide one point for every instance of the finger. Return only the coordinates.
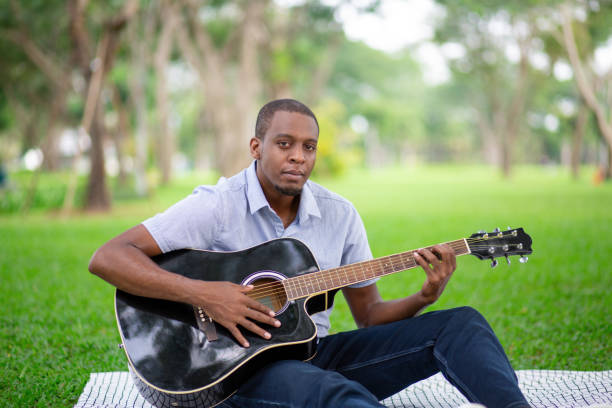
(453, 258)
(249, 325)
(429, 256)
(238, 335)
(448, 256)
(423, 262)
(442, 252)
(263, 318)
(255, 305)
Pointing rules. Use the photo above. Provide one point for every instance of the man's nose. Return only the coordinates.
(297, 155)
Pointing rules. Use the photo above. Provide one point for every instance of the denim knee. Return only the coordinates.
(470, 316)
(339, 391)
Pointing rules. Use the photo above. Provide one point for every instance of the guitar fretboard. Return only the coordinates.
(334, 278)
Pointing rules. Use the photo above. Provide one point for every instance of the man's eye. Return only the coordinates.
(311, 148)
(283, 144)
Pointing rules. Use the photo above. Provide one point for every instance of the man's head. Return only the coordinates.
(285, 146)
(264, 118)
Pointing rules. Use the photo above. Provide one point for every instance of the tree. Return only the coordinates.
(231, 85)
(248, 51)
(499, 89)
(94, 71)
(43, 43)
(597, 98)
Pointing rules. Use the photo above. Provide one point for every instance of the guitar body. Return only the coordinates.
(172, 362)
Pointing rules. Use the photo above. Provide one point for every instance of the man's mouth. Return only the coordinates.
(293, 174)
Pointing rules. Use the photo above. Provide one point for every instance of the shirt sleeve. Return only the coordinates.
(356, 246)
(191, 223)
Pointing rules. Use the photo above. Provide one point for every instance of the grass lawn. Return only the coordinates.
(555, 312)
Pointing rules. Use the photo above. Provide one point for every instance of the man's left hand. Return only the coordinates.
(439, 263)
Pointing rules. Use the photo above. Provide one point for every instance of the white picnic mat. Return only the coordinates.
(543, 389)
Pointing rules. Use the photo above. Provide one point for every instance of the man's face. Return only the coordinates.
(287, 152)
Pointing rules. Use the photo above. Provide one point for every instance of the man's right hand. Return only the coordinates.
(125, 262)
(229, 305)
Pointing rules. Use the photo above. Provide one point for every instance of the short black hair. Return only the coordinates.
(285, 105)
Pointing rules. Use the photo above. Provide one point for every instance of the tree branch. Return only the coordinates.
(44, 62)
(585, 88)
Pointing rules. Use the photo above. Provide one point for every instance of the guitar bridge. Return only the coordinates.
(205, 324)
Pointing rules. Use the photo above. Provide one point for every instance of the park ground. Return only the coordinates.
(553, 312)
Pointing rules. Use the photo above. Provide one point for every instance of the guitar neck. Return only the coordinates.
(322, 281)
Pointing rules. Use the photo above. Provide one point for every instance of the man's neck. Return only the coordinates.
(285, 206)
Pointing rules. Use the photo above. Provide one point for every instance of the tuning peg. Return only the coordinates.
(493, 263)
(523, 259)
(496, 229)
(481, 231)
(509, 228)
(507, 259)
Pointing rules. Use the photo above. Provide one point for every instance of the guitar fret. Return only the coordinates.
(322, 281)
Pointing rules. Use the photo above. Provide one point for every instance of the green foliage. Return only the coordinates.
(58, 326)
(334, 148)
(299, 39)
(49, 194)
(5, 116)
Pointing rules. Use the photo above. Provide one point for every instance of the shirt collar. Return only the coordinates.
(257, 200)
(255, 196)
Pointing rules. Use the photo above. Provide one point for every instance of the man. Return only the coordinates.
(273, 198)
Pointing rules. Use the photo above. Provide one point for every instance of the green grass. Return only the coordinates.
(555, 312)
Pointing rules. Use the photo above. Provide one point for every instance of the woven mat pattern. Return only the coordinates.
(543, 389)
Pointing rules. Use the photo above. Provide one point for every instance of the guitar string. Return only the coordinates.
(324, 279)
(329, 275)
(408, 254)
(456, 245)
(333, 271)
(322, 275)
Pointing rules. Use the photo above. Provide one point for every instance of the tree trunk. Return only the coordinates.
(166, 135)
(491, 149)
(506, 158)
(240, 125)
(119, 135)
(231, 103)
(514, 114)
(98, 196)
(50, 144)
(140, 58)
(324, 70)
(577, 138)
(585, 87)
(205, 143)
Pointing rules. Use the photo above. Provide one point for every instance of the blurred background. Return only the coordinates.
(107, 100)
(437, 119)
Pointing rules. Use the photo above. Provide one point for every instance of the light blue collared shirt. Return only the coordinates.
(234, 215)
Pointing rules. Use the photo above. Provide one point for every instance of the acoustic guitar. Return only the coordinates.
(179, 358)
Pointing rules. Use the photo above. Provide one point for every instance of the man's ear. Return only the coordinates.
(256, 145)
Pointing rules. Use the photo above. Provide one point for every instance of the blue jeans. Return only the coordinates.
(361, 367)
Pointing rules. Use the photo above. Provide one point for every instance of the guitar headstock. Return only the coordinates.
(491, 245)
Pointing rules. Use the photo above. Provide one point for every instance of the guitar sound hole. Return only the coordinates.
(270, 292)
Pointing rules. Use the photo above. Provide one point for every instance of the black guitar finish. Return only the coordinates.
(174, 365)
(172, 362)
